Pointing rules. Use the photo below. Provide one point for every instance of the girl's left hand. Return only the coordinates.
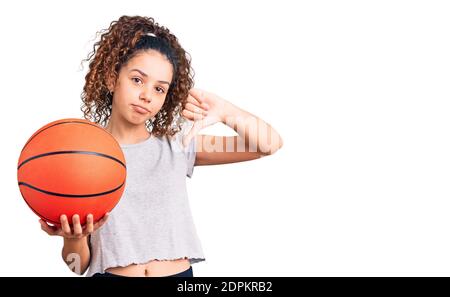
(205, 109)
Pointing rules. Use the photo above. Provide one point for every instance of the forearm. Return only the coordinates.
(259, 136)
(76, 254)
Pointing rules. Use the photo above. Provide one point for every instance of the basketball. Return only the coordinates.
(71, 166)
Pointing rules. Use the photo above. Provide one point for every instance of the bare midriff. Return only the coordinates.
(153, 268)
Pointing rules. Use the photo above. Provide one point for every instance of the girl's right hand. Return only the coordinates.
(78, 231)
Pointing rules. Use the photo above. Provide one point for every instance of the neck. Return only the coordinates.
(127, 134)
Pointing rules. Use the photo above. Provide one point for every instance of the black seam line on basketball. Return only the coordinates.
(70, 195)
(46, 218)
(66, 122)
(72, 152)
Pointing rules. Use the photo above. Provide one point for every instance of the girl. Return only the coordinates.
(139, 87)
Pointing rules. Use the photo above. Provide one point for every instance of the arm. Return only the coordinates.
(256, 137)
(75, 250)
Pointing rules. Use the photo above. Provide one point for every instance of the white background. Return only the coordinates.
(359, 91)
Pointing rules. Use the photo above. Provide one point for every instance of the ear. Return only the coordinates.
(110, 88)
(110, 84)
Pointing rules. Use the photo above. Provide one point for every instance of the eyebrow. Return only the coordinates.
(144, 74)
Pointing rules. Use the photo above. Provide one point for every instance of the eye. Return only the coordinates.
(133, 79)
(162, 90)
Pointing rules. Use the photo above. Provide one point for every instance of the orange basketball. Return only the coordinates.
(71, 166)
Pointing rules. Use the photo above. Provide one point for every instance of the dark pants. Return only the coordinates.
(187, 273)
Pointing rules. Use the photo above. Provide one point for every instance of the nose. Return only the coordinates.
(146, 96)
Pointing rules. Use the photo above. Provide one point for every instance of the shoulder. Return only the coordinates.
(177, 138)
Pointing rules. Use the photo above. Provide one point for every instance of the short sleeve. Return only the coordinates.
(190, 156)
(190, 150)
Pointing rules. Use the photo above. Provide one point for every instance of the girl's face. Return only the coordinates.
(141, 87)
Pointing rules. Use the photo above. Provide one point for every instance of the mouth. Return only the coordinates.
(140, 109)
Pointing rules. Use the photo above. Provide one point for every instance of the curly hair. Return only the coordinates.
(123, 40)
